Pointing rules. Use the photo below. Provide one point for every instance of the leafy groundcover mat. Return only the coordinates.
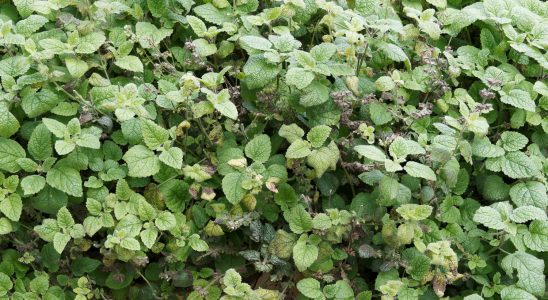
(277, 149)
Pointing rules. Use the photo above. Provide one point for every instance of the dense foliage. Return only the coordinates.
(245, 149)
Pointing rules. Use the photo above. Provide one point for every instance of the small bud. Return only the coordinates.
(238, 163)
(353, 84)
(249, 202)
(207, 194)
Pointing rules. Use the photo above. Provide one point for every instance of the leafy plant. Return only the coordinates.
(296, 149)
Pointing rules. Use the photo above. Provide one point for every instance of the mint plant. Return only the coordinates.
(296, 149)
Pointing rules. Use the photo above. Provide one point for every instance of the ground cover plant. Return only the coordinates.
(278, 149)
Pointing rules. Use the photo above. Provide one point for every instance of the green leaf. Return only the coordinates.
(318, 135)
(203, 48)
(527, 213)
(10, 152)
(438, 3)
(90, 43)
(282, 244)
(519, 99)
(47, 229)
(489, 217)
(392, 51)
(484, 148)
(259, 72)
(226, 108)
(60, 241)
(14, 66)
(30, 25)
(314, 94)
(9, 124)
(83, 265)
(141, 161)
(305, 59)
(149, 35)
(130, 225)
(32, 184)
(304, 255)
(64, 218)
(400, 148)
(384, 84)
(232, 187)
(414, 212)
(165, 221)
(324, 158)
(146, 211)
(65, 179)
(197, 244)
(76, 67)
(212, 14)
(388, 188)
(514, 293)
(379, 113)
(12, 207)
(39, 145)
(130, 244)
(148, 237)
(64, 147)
(370, 152)
(35, 104)
(299, 219)
(291, 132)
(298, 149)
(131, 63)
(258, 149)
(172, 157)
(153, 135)
(158, 8)
(88, 141)
(255, 42)
(176, 194)
(419, 170)
(197, 25)
(5, 226)
(529, 193)
(518, 165)
(321, 221)
(340, 290)
(5, 284)
(232, 278)
(58, 129)
(530, 271)
(513, 141)
(310, 288)
(536, 238)
(323, 52)
(299, 77)
(54, 46)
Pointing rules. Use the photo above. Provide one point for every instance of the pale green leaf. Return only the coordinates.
(304, 255)
(32, 184)
(141, 161)
(65, 179)
(258, 149)
(130, 63)
(11, 207)
(518, 165)
(370, 152)
(299, 219)
(310, 288)
(232, 187)
(419, 170)
(172, 157)
(60, 241)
